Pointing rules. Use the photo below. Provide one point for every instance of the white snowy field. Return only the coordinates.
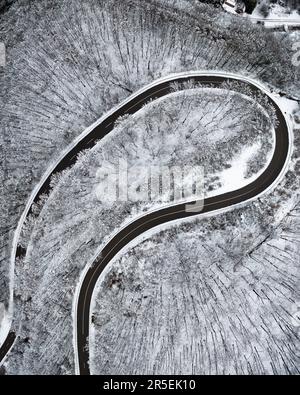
(196, 126)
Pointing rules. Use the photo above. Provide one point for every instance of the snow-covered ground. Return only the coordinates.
(271, 13)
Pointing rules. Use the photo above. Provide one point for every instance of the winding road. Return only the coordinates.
(153, 219)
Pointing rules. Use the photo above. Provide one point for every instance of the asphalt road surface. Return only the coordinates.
(153, 219)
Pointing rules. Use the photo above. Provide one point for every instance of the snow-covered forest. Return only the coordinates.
(67, 63)
(192, 126)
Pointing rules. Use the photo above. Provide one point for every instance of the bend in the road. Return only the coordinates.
(102, 128)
